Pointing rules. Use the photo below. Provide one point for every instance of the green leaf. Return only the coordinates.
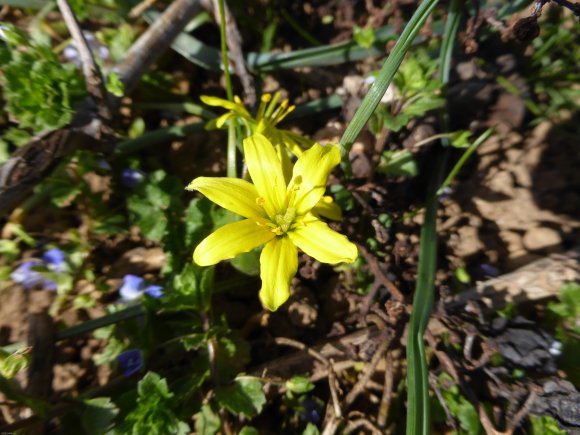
(98, 415)
(151, 220)
(249, 430)
(459, 406)
(9, 249)
(39, 90)
(153, 385)
(468, 418)
(395, 123)
(115, 86)
(342, 196)
(154, 412)
(569, 306)
(84, 301)
(460, 139)
(299, 384)
(137, 128)
(207, 422)
(248, 262)
(311, 429)
(113, 348)
(398, 163)
(364, 37)
(194, 341)
(16, 136)
(545, 425)
(462, 275)
(198, 220)
(12, 363)
(245, 397)
(64, 190)
(192, 288)
(118, 40)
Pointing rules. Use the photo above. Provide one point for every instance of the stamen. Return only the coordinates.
(292, 190)
(283, 114)
(279, 111)
(272, 105)
(263, 101)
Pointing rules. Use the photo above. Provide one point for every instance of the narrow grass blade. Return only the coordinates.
(418, 410)
(384, 79)
(468, 152)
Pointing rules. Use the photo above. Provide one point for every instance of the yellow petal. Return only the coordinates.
(231, 240)
(226, 104)
(327, 208)
(233, 194)
(265, 169)
(220, 121)
(311, 173)
(316, 239)
(278, 265)
(283, 155)
(295, 142)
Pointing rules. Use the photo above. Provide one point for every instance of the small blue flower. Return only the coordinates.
(71, 52)
(131, 178)
(311, 412)
(29, 278)
(55, 259)
(130, 361)
(489, 270)
(134, 287)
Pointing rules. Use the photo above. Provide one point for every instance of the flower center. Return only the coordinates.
(283, 222)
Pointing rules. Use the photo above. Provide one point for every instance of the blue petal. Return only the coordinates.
(155, 291)
(27, 277)
(131, 178)
(55, 259)
(130, 361)
(132, 287)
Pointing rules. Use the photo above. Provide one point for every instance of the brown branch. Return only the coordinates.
(156, 39)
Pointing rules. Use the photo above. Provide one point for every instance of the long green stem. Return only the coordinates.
(418, 410)
(224, 49)
(231, 156)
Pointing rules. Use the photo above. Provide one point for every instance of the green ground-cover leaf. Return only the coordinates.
(245, 397)
(153, 411)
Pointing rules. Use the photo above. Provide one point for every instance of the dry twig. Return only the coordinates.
(93, 76)
(234, 42)
(332, 384)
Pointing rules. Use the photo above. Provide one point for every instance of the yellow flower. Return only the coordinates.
(278, 214)
(269, 114)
